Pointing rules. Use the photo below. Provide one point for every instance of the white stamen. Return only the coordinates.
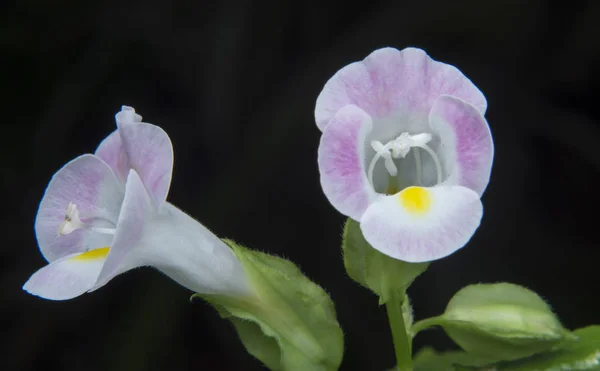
(399, 148)
(104, 230)
(381, 151)
(418, 166)
(436, 160)
(71, 222)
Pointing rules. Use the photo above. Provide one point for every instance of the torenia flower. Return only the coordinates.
(406, 152)
(106, 213)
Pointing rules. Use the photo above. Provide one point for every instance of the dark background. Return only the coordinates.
(234, 85)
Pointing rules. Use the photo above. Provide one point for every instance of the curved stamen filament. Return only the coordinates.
(381, 151)
(103, 230)
(399, 148)
(436, 160)
(418, 166)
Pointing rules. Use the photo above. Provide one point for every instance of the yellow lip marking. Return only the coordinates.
(95, 254)
(415, 200)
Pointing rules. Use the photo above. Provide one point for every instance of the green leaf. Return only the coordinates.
(581, 354)
(502, 320)
(290, 323)
(374, 270)
(427, 359)
(260, 346)
(577, 355)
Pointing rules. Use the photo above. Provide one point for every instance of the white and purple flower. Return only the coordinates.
(405, 151)
(106, 213)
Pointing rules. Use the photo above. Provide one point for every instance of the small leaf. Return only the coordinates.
(581, 354)
(502, 320)
(260, 346)
(374, 270)
(290, 324)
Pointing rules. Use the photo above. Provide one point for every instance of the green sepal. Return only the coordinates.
(373, 269)
(580, 354)
(502, 320)
(290, 322)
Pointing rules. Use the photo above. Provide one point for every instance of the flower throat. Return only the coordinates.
(399, 148)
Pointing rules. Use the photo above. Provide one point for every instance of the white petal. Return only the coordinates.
(171, 241)
(67, 277)
(422, 224)
(193, 256)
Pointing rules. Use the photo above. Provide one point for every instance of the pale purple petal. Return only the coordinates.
(138, 207)
(90, 184)
(467, 149)
(140, 146)
(341, 162)
(112, 152)
(67, 277)
(389, 81)
(429, 226)
(111, 149)
(150, 154)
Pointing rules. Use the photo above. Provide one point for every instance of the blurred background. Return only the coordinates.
(234, 84)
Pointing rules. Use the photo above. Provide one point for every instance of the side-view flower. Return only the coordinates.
(378, 113)
(106, 213)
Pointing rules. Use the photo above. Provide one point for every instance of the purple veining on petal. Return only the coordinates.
(89, 183)
(341, 162)
(388, 81)
(140, 146)
(112, 152)
(150, 154)
(468, 149)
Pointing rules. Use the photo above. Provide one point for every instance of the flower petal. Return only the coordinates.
(341, 162)
(467, 149)
(149, 152)
(422, 224)
(171, 241)
(192, 255)
(138, 207)
(90, 184)
(67, 277)
(389, 81)
(112, 152)
(111, 149)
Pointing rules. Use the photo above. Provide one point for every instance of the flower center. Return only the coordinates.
(399, 148)
(73, 222)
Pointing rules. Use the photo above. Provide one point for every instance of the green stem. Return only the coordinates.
(424, 324)
(402, 345)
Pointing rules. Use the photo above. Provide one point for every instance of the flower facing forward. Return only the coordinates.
(106, 213)
(406, 152)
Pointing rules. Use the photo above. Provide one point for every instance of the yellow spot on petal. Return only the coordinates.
(416, 200)
(95, 254)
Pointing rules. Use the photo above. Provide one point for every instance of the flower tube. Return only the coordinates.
(104, 214)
